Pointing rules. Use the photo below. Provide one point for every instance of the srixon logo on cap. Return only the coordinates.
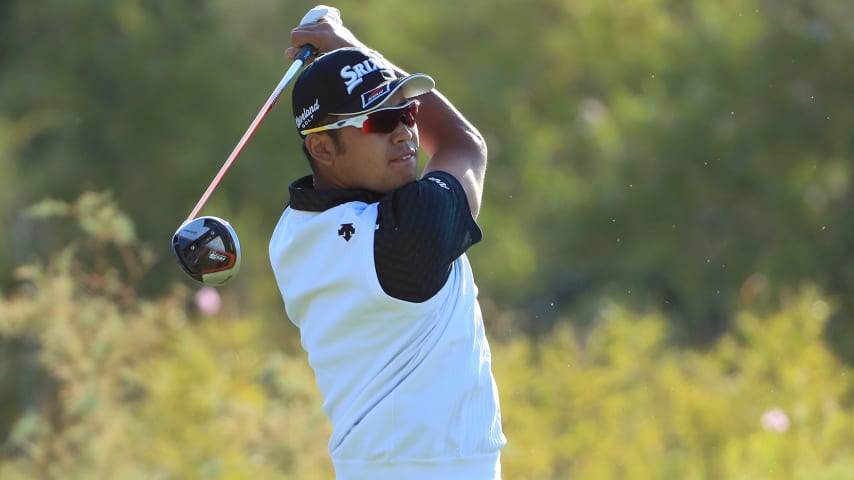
(352, 74)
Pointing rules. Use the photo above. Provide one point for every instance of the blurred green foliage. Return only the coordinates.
(656, 153)
(767, 401)
(667, 252)
(125, 387)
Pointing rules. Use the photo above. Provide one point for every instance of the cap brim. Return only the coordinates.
(414, 85)
(411, 86)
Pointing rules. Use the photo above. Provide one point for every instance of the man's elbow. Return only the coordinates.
(478, 144)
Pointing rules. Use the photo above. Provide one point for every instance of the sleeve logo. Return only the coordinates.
(439, 182)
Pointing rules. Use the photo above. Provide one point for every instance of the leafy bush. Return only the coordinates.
(123, 387)
(769, 400)
(134, 388)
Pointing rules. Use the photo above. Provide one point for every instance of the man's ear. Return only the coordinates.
(321, 147)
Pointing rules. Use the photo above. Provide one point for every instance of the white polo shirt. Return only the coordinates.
(387, 309)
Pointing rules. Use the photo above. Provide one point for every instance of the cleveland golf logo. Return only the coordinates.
(307, 114)
(352, 74)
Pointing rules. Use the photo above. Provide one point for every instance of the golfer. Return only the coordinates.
(369, 259)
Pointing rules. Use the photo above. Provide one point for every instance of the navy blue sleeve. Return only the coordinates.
(421, 229)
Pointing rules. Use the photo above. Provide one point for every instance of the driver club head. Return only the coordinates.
(208, 250)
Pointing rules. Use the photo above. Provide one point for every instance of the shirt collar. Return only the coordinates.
(305, 197)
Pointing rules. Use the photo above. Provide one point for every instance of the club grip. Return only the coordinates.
(305, 52)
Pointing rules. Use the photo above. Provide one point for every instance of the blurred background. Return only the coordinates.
(666, 272)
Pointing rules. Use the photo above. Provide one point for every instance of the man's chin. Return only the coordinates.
(402, 181)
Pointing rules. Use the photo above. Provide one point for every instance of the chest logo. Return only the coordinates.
(347, 231)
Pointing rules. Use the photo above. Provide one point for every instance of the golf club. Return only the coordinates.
(207, 247)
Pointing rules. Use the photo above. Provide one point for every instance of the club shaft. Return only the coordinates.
(304, 53)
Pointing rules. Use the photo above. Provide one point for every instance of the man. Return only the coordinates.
(370, 263)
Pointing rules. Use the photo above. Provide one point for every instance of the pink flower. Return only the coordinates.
(208, 301)
(775, 420)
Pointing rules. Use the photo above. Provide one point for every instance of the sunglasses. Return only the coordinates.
(384, 120)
